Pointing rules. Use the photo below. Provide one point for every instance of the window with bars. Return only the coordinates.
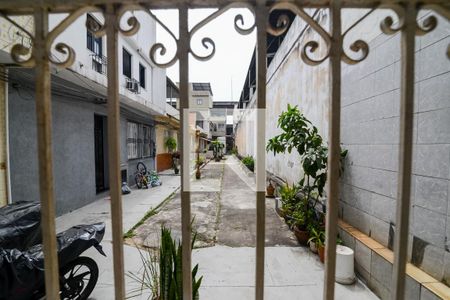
(139, 141)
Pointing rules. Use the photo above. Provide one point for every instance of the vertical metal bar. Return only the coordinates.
(45, 155)
(183, 57)
(261, 15)
(405, 150)
(113, 106)
(4, 195)
(334, 151)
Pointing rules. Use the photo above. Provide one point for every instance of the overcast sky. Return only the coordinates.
(226, 71)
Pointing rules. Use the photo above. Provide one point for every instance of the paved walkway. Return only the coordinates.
(224, 205)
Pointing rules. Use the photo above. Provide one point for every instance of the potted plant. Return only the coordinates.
(298, 133)
(298, 225)
(171, 144)
(175, 158)
(317, 238)
(217, 150)
(288, 200)
(270, 190)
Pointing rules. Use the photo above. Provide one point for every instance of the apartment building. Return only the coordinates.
(79, 113)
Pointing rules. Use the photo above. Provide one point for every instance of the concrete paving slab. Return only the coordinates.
(134, 206)
(292, 272)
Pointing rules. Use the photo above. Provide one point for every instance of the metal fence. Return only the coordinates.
(39, 57)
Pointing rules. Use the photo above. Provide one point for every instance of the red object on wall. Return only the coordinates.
(163, 161)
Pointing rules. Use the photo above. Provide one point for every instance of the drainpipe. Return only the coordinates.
(4, 165)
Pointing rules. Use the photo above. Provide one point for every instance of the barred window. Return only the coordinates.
(132, 140)
(139, 141)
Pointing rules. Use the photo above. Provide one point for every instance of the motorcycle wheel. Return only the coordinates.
(78, 278)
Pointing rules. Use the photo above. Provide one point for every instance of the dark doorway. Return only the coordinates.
(101, 155)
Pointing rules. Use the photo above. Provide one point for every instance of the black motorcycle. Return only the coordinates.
(22, 258)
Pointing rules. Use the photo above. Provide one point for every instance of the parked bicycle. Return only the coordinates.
(145, 178)
(140, 176)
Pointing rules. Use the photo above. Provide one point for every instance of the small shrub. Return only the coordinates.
(171, 144)
(249, 162)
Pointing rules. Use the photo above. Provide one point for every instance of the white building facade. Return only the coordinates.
(79, 100)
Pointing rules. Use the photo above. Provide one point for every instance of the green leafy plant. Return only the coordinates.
(217, 149)
(289, 199)
(317, 236)
(200, 161)
(300, 135)
(171, 144)
(162, 274)
(249, 162)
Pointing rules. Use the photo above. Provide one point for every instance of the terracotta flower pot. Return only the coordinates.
(321, 250)
(270, 190)
(302, 236)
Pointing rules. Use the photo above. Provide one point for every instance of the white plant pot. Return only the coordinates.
(345, 272)
(313, 247)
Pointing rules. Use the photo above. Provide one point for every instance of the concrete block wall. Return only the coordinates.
(370, 131)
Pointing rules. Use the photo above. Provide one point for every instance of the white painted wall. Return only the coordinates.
(138, 45)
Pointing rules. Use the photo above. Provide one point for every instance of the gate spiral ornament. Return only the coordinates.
(20, 53)
(207, 42)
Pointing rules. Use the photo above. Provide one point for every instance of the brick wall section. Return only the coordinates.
(370, 131)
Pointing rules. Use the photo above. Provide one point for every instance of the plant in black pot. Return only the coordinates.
(175, 161)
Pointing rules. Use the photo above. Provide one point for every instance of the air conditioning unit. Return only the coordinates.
(132, 85)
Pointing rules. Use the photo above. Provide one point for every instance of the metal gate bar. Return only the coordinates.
(405, 149)
(113, 105)
(334, 149)
(40, 58)
(261, 17)
(45, 155)
(183, 57)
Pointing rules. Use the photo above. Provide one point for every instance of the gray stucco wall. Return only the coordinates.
(73, 149)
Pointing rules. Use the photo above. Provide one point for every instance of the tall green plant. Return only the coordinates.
(217, 149)
(171, 285)
(171, 144)
(167, 284)
(300, 135)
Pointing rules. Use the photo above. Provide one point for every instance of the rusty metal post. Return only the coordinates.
(113, 106)
(44, 139)
(183, 56)
(334, 151)
(405, 150)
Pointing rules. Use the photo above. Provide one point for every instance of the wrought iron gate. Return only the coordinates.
(39, 57)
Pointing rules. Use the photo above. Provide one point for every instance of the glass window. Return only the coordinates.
(94, 44)
(199, 101)
(139, 141)
(132, 137)
(142, 76)
(126, 63)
